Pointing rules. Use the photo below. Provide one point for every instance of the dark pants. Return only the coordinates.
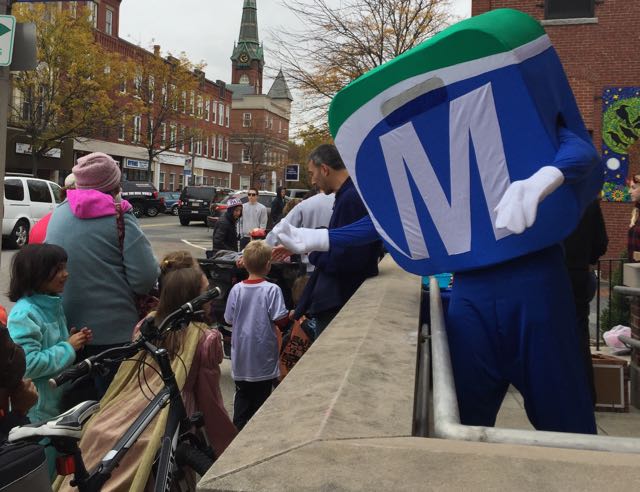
(321, 321)
(250, 395)
(584, 285)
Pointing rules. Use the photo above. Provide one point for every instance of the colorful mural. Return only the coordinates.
(620, 130)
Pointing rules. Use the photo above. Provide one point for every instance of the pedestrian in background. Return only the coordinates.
(225, 232)
(254, 216)
(277, 205)
(633, 237)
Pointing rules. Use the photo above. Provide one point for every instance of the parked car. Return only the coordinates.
(26, 200)
(218, 208)
(296, 192)
(143, 197)
(171, 199)
(195, 201)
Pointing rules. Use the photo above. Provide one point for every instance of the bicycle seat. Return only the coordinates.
(68, 424)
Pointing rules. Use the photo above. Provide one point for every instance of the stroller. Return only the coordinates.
(222, 272)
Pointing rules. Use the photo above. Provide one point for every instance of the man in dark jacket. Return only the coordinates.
(277, 205)
(225, 232)
(338, 272)
(583, 248)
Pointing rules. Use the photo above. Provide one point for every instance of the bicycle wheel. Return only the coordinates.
(198, 461)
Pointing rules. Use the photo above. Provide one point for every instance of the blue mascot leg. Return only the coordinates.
(548, 368)
(475, 350)
(515, 322)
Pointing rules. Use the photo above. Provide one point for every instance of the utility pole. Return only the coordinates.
(5, 9)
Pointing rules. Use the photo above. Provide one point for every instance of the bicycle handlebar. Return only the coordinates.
(147, 334)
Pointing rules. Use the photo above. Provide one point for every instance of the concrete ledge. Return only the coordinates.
(342, 420)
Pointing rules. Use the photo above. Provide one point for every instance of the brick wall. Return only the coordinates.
(594, 56)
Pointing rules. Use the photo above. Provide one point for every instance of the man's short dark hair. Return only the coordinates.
(327, 154)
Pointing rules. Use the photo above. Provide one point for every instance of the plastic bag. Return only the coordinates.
(611, 336)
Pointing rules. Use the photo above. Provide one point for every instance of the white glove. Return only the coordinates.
(519, 205)
(302, 240)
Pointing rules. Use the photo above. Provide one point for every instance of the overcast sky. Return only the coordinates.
(207, 29)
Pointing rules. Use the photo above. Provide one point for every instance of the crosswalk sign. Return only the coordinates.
(7, 33)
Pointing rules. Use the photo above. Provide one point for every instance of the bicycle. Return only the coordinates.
(184, 442)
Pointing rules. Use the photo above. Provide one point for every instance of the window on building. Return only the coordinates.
(220, 146)
(122, 130)
(199, 147)
(152, 88)
(163, 134)
(279, 126)
(172, 182)
(220, 114)
(200, 107)
(93, 14)
(244, 79)
(162, 183)
(246, 120)
(135, 134)
(150, 131)
(206, 147)
(193, 102)
(184, 101)
(123, 85)
(568, 9)
(207, 109)
(180, 181)
(108, 21)
(214, 111)
(173, 97)
(137, 84)
(172, 137)
(226, 149)
(226, 116)
(73, 8)
(246, 155)
(213, 146)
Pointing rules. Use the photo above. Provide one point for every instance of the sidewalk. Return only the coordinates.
(513, 416)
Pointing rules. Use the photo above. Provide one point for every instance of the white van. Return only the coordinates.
(26, 200)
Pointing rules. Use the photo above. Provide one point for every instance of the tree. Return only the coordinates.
(308, 138)
(340, 43)
(167, 99)
(71, 92)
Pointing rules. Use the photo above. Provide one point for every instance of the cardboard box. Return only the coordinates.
(611, 378)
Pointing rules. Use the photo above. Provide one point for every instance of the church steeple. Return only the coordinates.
(248, 56)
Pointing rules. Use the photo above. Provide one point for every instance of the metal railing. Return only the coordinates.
(446, 417)
(609, 262)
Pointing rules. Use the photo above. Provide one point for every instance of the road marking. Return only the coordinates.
(146, 226)
(193, 245)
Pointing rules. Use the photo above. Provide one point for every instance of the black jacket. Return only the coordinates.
(277, 206)
(225, 233)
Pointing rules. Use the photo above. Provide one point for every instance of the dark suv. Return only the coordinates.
(195, 200)
(143, 197)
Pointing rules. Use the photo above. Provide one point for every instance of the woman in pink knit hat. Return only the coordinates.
(110, 259)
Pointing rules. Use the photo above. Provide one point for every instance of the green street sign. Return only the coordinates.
(7, 33)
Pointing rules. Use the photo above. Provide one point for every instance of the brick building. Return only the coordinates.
(260, 122)
(598, 45)
(211, 102)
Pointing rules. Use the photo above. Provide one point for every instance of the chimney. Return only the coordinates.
(156, 49)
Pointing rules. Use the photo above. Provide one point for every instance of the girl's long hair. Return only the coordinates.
(32, 267)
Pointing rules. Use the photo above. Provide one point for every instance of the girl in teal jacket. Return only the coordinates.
(38, 324)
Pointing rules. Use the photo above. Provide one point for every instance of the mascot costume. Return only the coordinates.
(477, 136)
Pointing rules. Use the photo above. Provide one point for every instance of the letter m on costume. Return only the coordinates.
(433, 138)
